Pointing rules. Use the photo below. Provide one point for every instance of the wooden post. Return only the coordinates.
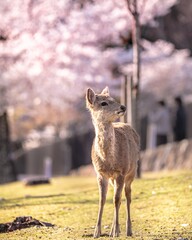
(124, 97)
(129, 100)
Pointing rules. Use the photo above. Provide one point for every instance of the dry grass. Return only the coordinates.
(161, 208)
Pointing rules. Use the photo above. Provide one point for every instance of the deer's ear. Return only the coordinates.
(90, 96)
(105, 91)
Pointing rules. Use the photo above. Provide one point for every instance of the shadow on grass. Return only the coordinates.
(24, 201)
(91, 235)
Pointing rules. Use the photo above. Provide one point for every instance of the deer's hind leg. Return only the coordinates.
(128, 203)
(118, 186)
(103, 186)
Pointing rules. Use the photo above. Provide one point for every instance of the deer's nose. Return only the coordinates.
(123, 108)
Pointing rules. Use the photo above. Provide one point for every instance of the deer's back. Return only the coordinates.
(123, 129)
(122, 159)
(127, 145)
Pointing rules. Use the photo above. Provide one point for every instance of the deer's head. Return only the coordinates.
(103, 107)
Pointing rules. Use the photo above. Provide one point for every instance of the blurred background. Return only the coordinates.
(51, 51)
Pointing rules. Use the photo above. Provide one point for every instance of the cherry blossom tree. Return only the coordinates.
(52, 50)
(165, 72)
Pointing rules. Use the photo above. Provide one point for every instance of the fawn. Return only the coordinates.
(115, 152)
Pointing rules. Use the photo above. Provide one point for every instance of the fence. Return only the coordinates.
(177, 155)
(57, 158)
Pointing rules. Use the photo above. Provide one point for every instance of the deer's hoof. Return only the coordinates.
(129, 232)
(97, 232)
(115, 230)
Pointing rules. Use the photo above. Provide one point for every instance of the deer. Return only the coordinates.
(115, 152)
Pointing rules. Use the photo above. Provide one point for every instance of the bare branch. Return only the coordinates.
(132, 7)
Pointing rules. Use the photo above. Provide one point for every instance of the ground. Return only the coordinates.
(161, 208)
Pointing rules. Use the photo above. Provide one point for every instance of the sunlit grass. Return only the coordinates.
(161, 208)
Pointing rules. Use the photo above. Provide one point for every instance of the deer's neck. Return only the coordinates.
(104, 139)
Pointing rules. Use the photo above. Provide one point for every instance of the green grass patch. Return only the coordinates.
(161, 208)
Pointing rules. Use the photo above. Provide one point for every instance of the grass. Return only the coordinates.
(161, 208)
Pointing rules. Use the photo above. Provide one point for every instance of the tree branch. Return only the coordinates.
(132, 7)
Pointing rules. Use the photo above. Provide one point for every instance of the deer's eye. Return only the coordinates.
(104, 104)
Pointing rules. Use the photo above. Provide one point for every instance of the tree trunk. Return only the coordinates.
(132, 7)
(7, 169)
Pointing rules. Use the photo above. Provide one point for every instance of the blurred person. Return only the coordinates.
(161, 119)
(180, 120)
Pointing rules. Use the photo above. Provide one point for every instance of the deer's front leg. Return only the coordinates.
(103, 185)
(118, 186)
